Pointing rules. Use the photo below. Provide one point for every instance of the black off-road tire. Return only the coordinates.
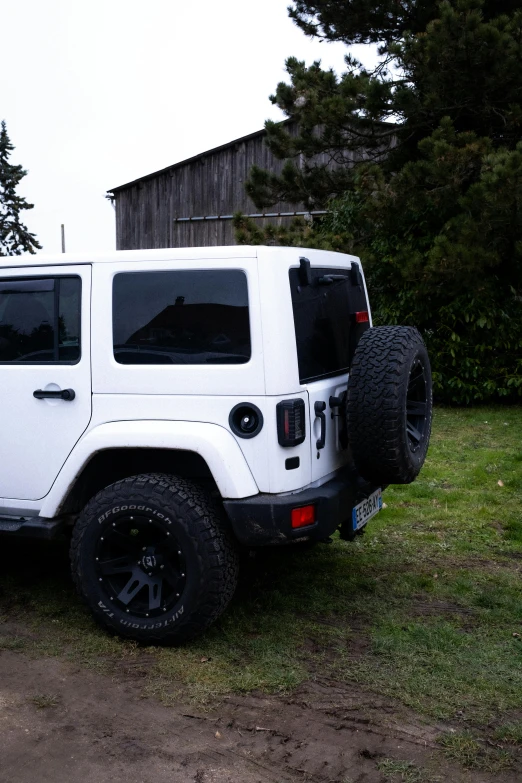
(389, 405)
(158, 530)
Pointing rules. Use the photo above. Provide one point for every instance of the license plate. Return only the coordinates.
(367, 509)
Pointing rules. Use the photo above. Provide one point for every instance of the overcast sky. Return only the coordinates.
(98, 93)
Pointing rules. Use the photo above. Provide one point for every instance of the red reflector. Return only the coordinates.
(362, 317)
(304, 516)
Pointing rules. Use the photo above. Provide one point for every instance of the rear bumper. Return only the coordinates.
(265, 520)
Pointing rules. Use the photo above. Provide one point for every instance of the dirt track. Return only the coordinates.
(100, 729)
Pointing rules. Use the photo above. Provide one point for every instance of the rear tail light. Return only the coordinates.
(291, 428)
(362, 317)
(303, 517)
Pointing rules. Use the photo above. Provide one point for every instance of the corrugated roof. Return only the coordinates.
(187, 161)
(201, 155)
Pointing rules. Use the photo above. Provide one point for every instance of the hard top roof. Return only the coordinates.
(164, 254)
(167, 254)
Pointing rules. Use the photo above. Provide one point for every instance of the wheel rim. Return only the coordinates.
(417, 406)
(141, 566)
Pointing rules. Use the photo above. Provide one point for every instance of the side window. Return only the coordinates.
(181, 317)
(40, 320)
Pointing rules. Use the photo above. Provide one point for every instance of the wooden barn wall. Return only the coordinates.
(210, 185)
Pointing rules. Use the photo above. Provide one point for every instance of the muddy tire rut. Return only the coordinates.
(60, 722)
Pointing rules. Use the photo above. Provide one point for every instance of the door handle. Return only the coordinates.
(62, 394)
(319, 408)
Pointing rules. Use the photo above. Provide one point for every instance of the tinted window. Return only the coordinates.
(181, 317)
(40, 320)
(322, 324)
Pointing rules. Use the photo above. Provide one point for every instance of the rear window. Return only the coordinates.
(181, 317)
(322, 323)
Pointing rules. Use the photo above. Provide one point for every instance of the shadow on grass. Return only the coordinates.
(425, 607)
(441, 642)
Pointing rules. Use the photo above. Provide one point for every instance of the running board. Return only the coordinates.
(32, 527)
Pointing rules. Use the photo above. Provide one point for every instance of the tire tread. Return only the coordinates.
(217, 552)
(376, 400)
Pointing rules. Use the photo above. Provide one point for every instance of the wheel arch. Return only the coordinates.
(119, 449)
(111, 465)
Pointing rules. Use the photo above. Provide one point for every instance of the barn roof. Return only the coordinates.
(204, 154)
(187, 161)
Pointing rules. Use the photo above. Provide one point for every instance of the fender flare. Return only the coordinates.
(212, 442)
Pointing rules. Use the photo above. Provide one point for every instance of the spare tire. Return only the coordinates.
(389, 404)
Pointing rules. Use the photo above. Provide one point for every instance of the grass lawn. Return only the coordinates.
(426, 606)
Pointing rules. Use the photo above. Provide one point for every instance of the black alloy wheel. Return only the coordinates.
(141, 566)
(417, 405)
(153, 558)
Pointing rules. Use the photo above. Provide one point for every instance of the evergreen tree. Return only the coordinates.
(15, 239)
(424, 173)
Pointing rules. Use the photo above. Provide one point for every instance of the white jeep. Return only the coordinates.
(173, 406)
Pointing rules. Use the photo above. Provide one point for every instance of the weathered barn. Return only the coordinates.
(191, 204)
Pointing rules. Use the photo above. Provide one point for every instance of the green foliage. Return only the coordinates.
(464, 748)
(446, 258)
(512, 733)
(298, 233)
(15, 239)
(431, 201)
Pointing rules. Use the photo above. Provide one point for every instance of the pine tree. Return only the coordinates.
(424, 173)
(15, 239)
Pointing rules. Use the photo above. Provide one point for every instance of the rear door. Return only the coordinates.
(330, 314)
(44, 352)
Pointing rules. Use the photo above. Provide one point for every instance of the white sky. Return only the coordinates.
(98, 93)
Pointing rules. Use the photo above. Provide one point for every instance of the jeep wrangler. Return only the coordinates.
(169, 407)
